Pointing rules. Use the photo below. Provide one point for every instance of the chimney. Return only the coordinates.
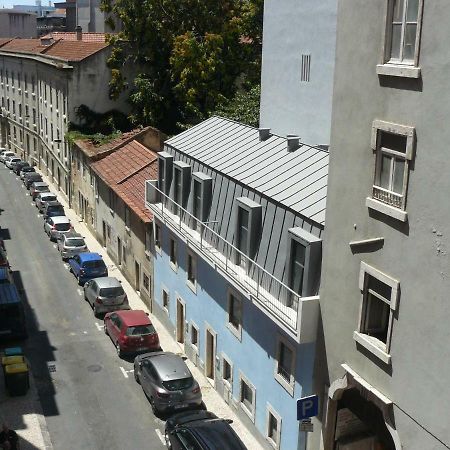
(79, 32)
(264, 133)
(293, 142)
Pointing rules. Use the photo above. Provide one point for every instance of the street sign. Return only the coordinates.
(306, 426)
(307, 407)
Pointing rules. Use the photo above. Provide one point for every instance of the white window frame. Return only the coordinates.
(192, 285)
(271, 411)
(399, 67)
(237, 332)
(227, 383)
(371, 343)
(164, 307)
(145, 274)
(381, 199)
(173, 264)
(157, 226)
(195, 347)
(250, 412)
(289, 385)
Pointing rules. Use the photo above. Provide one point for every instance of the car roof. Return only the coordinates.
(216, 434)
(40, 184)
(134, 317)
(47, 194)
(33, 174)
(169, 365)
(90, 256)
(73, 235)
(60, 219)
(54, 203)
(106, 282)
(191, 416)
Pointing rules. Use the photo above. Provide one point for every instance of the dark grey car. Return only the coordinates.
(167, 382)
(30, 177)
(52, 209)
(105, 294)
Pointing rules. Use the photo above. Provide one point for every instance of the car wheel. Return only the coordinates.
(166, 437)
(119, 350)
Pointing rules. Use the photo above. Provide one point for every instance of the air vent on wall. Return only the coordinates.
(306, 68)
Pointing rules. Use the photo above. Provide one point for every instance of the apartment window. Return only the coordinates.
(394, 146)
(148, 240)
(165, 300)
(158, 236)
(112, 197)
(247, 396)
(165, 163)
(298, 254)
(33, 84)
(127, 217)
(379, 302)
(20, 110)
(242, 236)
(173, 252)
(181, 185)
(234, 320)
(177, 190)
(227, 372)
(191, 269)
(202, 195)
(273, 427)
(14, 107)
(194, 336)
(146, 282)
(285, 364)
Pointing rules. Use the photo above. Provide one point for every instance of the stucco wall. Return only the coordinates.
(417, 252)
(293, 28)
(17, 25)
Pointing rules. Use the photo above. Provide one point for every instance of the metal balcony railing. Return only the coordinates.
(272, 295)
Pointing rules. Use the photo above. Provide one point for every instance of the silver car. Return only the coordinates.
(6, 154)
(105, 294)
(38, 187)
(167, 382)
(43, 198)
(56, 226)
(71, 244)
(10, 160)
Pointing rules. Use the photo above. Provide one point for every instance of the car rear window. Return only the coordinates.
(93, 264)
(178, 385)
(75, 242)
(140, 330)
(49, 198)
(111, 291)
(62, 226)
(56, 209)
(41, 188)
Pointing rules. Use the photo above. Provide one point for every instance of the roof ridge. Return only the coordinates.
(48, 47)
(136, 171)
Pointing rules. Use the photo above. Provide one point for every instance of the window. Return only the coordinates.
(227, 372)
(158, 237)
(273, 427)
(285, 364)
(165, 300)
(202, 195)
(177, 190)
(402, 42)
(127, 217)
(146, 282)
(194, 336)
(247, 396)
(298, 253)
(393, 145)
(165, 162)
(379, 301)
(173, 252)
(148, 240)
(112, 198)
(191, 269)
(234, 321)
(242, 237)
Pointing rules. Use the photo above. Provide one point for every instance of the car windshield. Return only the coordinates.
(75, 242)
(94, 264)
(55, 211)
(111, 291)
(48, 198)
(178, 385)
(41, 188)
(141, 330)
(28, 169)
(62, 226)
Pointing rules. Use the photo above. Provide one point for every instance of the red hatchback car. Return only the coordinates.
(131, 332)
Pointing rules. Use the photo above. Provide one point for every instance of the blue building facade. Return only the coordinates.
(239, 215)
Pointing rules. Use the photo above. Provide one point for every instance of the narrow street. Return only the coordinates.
(88, 395)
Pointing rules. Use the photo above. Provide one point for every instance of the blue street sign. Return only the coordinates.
(307, 407)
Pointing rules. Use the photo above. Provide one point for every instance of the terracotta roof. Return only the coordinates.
(3, 41)
(72, 36)
(91, 150)
(125, 171)
(65, 50)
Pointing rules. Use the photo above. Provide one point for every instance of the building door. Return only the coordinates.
(210, 353)
(119, 251)
(137, 276)
(181, 318)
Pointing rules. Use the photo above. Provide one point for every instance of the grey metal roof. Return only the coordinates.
(297, 180)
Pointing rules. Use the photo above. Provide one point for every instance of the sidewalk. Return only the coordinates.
(212, 399)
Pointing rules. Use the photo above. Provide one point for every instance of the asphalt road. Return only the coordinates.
(88, 394)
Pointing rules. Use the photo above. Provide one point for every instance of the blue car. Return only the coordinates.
(86, 266)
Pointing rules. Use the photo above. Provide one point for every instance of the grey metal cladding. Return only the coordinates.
(297, 180)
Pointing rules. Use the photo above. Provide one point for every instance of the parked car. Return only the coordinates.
(71, 244)
(30, 178)
(6, 154)
(86, 266)
(37, 187)
(14, 164)
(167, 381)
(131, 332)
(3, 257)
(105, 294)
(56, 226)
(5, 275)
(12, 314)
(19, 166)
(25, 170)
(9, 162)
(201, 430)
(43, 198)
(52, 209)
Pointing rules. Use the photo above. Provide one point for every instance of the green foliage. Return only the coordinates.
(91, 122)
(97, 139)
(188, 56)
(243, 107)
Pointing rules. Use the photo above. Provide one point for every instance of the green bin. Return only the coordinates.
(17, 379)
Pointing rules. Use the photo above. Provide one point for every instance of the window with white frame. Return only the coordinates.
(273, 432)
(165, 299)
(247, 396)
(146, 282)
(234, 321)
(191, 268)
(394, 147)
(127, 217)
(194, 335)
(201, 198)
(173, 252)
(227, 372)
(379, 302)
(285, 364)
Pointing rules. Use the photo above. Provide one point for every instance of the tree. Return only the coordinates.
(188, 56)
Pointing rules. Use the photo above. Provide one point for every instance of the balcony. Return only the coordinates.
(388, 197)
(296, 315)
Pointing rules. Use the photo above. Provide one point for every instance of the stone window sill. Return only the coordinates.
(371, 344)
(398, 70)
(396, 213)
